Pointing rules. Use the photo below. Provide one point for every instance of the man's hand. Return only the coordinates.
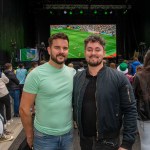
(27, 102)
(120, 148)
(30, 141)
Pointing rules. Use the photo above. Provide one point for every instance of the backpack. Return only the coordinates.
(1, 126)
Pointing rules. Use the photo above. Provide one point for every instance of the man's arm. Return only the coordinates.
(27, 101)
(128, 108)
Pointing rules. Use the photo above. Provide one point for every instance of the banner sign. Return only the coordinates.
(29, 54)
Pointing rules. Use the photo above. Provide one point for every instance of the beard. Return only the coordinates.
(94, 63)
(54, 59)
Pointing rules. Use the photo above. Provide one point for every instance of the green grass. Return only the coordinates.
(76, 43)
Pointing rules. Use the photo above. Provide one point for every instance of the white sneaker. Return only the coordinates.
(5, 138)
(5, 126)
(9, 122)
(7, 132)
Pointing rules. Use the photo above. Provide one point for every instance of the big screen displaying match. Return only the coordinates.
(77, 34)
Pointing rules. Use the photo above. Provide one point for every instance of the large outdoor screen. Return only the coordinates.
(77, 34)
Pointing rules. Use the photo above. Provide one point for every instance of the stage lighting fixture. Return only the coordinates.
(111, 12)
(95, 12)
(70, 12)
(81, 12)
(105, 12)
(125, 11)
(51, 12)
(65, 12)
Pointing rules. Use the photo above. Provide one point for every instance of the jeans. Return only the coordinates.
(44, 141)
(90, 143)
(15, 94)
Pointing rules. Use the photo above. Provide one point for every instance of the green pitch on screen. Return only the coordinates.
(76, 42)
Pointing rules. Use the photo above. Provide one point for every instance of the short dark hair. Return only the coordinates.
(34, 64)
(7, 65)
(59, 35)
(21, 65)
(94, 38)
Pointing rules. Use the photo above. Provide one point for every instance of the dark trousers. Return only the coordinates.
(5, 101)
(90, 143)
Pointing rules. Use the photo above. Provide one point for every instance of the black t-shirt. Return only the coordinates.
(89, 108)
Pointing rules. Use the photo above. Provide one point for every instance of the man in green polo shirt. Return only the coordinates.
(50, 87)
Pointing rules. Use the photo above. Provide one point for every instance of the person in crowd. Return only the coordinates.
(42, 62)
(34, 64)
(103, 99)
(123, 67)
(4, 99)
(129, 66)
(105, 62)
(50, 86)
(81, 66)
(21, 74)
(72, 66)
(134, 64)
(139, 68)
(141, 87)
(112, 65)
(13, 87)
